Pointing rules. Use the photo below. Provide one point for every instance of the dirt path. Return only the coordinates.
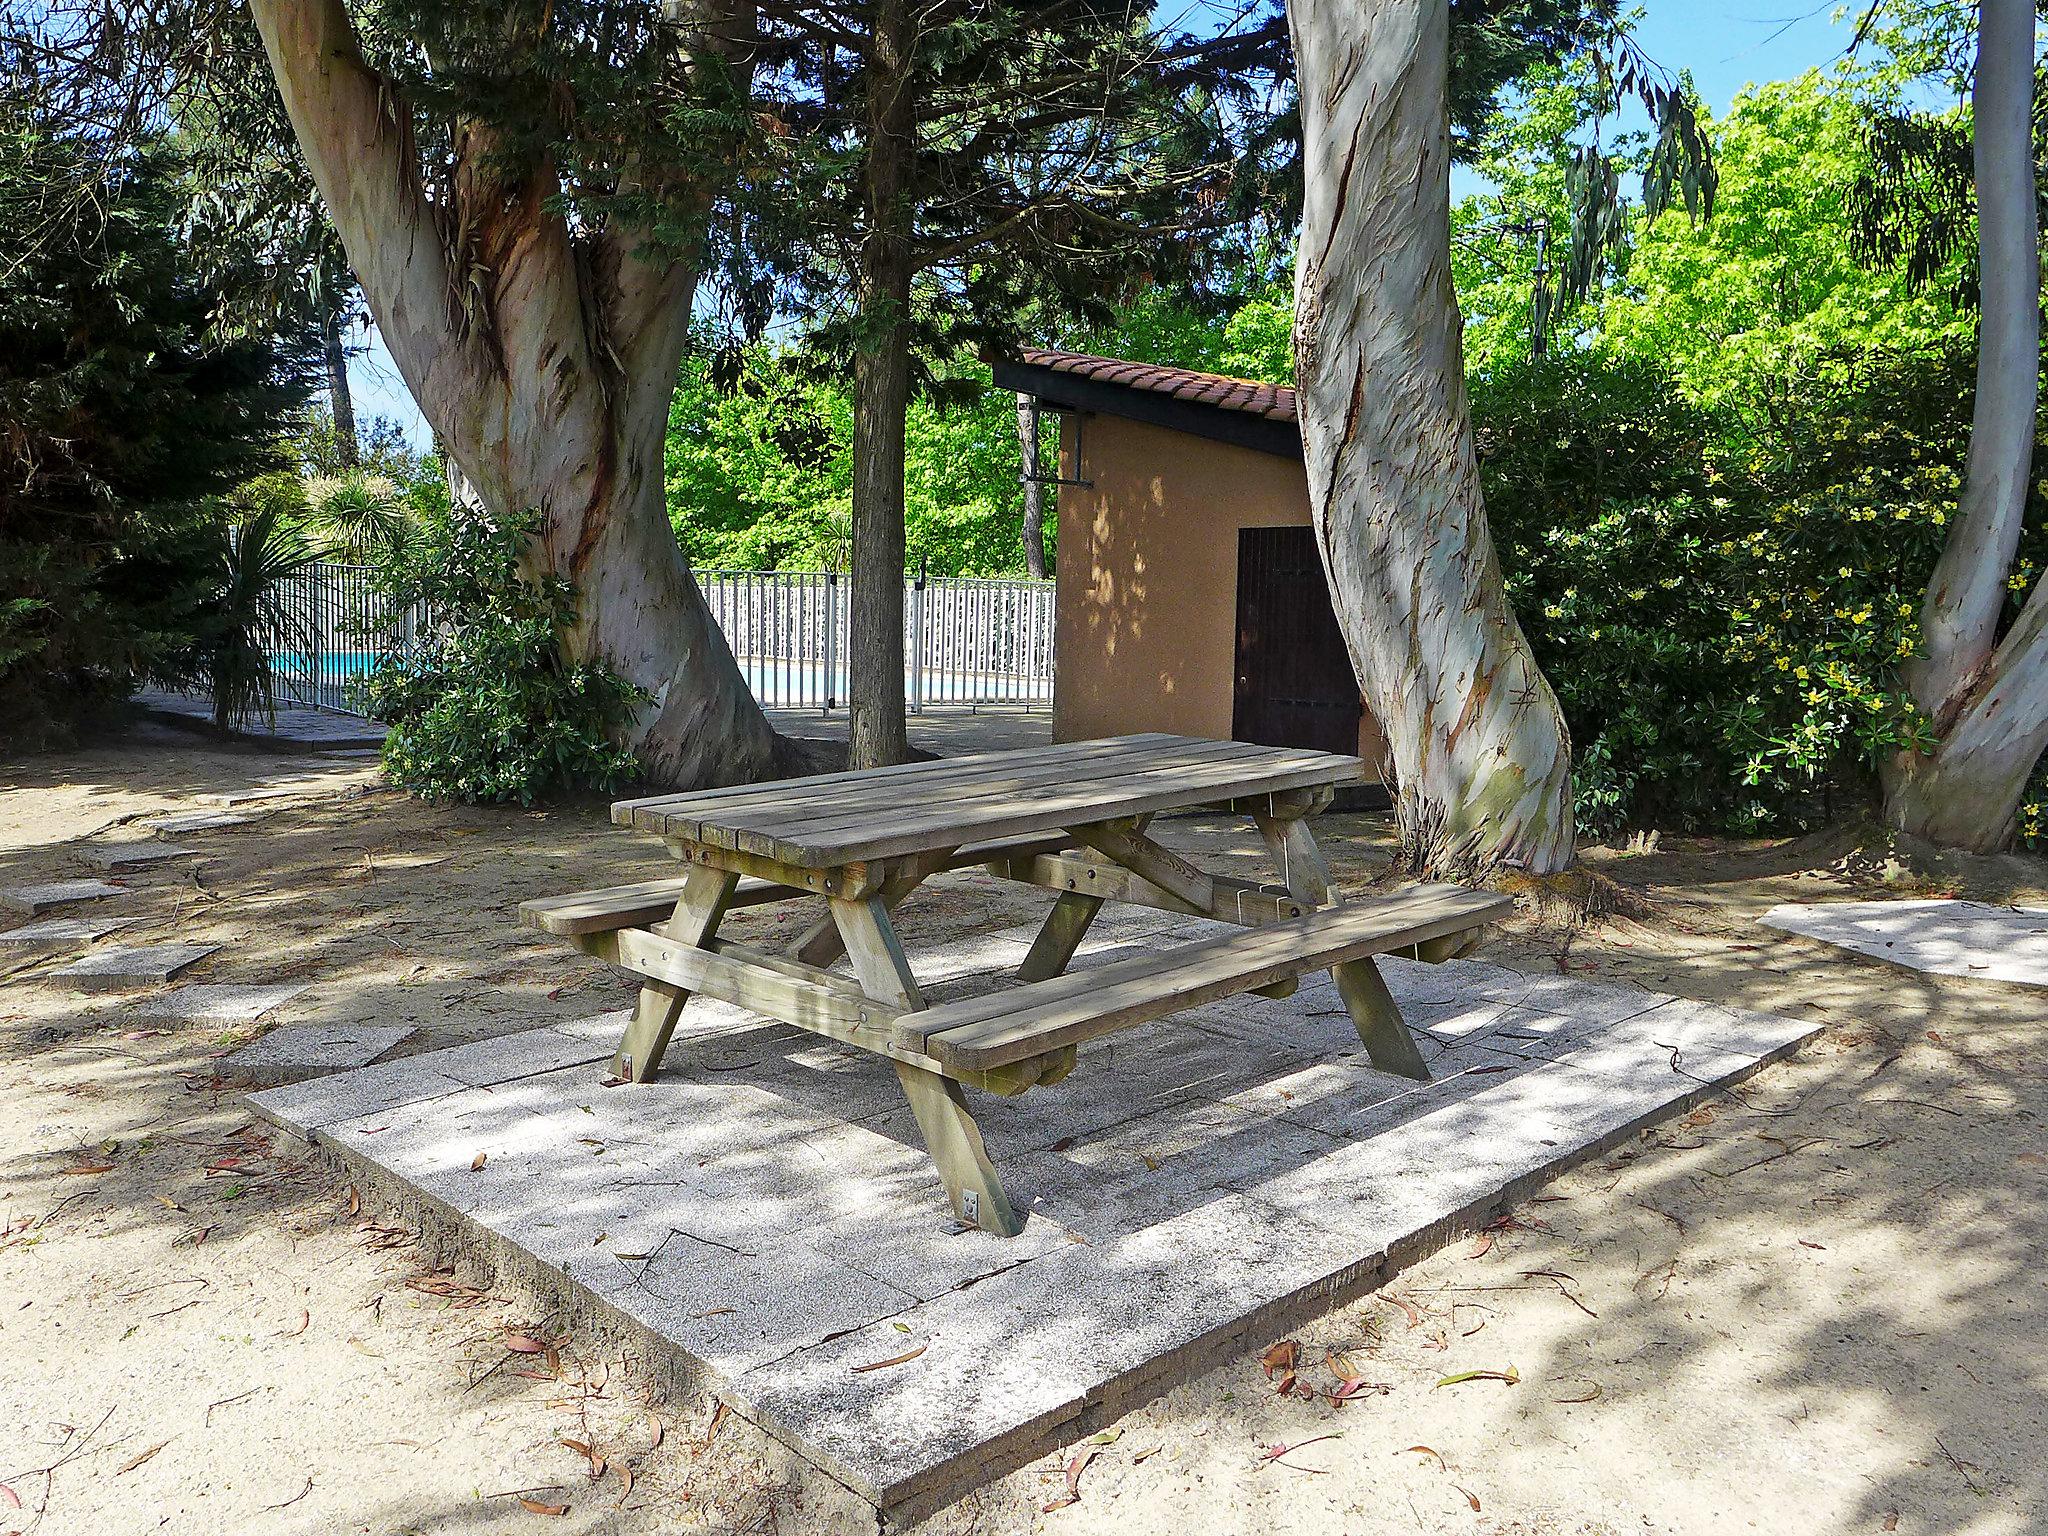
(1816, 1305)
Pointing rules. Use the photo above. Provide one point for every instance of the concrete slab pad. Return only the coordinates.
(227, 1005)
(193, 821)
(764, 1215)
(1944, 938)
(142, 965)
(300, 1051)
(62, 932)
(38, 899)
(134, 855)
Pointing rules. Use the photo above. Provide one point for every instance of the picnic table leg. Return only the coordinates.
(938, 1103)
(706, 893)
(821, 943)
(1385, 1035)
(1381, 1028)
(1301, 861)
(1065, 926)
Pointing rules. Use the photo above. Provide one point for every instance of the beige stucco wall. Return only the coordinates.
(1146, 604)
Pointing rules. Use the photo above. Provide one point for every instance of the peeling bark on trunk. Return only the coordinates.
(1034, 488)
(881, 402)
(1480, 755)
(1987, 697)
(545, 371)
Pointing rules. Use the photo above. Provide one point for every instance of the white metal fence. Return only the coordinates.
(339, 627)
(965, 641)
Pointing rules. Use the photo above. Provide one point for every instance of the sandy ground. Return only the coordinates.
(1814, 1305)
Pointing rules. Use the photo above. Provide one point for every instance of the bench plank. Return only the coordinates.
(633, 906)
(983, 1032)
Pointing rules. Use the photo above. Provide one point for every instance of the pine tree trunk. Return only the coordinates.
(544, 363)
(340, 402)
(1034, 488)
(881, 390)
(1988, 697)
(1479, 750)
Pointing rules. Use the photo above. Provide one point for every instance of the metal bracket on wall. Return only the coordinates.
(1027, 478)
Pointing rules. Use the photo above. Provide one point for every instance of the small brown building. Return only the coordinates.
(1191, 596)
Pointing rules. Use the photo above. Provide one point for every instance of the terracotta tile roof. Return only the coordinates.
(1273, 402)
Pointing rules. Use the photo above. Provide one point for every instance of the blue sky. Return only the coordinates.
(1727, 44)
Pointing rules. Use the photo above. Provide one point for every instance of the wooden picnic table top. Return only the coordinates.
(845, 818)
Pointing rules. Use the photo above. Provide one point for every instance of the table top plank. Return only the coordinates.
(840, 819)
(883, 815)
(822, 787)
(864, 804)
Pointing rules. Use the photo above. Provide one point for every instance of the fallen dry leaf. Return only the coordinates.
(12, 1498)
(1413, 1312)
(135, 1461)
(1075, 1467)
(1281, 1358)
(476, 1166)
(90, 1168)
(534, 1506)
(626, 1492)
(1273, 1453)
(1436, 1455)
(1510, 1376)
(883, 1365)
(524, 1344)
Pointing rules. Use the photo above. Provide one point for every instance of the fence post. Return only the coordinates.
(831, 640)
(917, 643)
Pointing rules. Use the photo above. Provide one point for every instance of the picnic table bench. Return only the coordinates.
(1072, 819)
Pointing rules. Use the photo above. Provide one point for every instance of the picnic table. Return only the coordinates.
(1072, 819)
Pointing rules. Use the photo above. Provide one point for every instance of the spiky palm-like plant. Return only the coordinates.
(359, 517)
(251, 618)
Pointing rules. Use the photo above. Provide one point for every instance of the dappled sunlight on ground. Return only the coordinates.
(1816, 1303)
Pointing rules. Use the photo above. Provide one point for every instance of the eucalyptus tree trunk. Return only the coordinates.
(340, 402)
(881, 402)
(544, 360)
(1987, 696)
(1481, 761)
(1034, 487)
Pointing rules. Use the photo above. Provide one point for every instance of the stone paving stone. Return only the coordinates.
(134, 855)
(302, 1051)
(228, 1004)
(62, 932)
(1945, 938)
(193, 821)
(735, 1312)
(1225, 1171)
(1007, 1361)
(38, 899)
(315, 1106)
(121, 966)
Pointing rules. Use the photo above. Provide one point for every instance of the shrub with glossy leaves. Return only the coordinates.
(484, 707)
(1725, 607)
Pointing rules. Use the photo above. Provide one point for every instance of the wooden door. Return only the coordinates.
(1294, 685)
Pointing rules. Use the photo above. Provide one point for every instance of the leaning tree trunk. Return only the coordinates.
(545, 368)
(881, 400)
(1479, 752)
(1987, 698)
